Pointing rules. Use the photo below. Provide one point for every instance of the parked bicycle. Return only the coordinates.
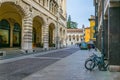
(96, 61)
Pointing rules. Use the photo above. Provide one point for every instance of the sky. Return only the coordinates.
(80, 11)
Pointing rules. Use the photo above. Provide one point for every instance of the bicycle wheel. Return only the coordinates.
(103, 67)
(89, 64)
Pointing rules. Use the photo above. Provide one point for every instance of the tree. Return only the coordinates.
(71, 24)
(74, 25)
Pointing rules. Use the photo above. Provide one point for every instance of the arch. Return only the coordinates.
(39, 19)
(4, 33)
(18, 7)
(13, 14)
(4, 24)
(38, 23)
(51, 35)
(52, 22)
(70, 37)
(77, 36)
(73, 37)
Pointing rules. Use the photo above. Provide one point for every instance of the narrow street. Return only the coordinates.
(21, 68)
(64, 64)
(52, 39)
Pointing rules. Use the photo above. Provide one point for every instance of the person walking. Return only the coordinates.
(89, 47)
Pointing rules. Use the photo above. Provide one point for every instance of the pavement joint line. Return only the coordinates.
(30, 55)
(46, 57)
(45, 74)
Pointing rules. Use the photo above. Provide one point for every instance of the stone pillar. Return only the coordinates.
(57, 36)
(11, 35)
(99, 39)
(106, 37)
(114, 35)
(45, 37)
(62, 39)
(27, 33)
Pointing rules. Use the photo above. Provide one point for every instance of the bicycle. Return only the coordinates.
(95, 61)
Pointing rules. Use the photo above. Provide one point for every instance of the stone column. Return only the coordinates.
(27, 33)
(57, 36)
(114, 38)
(106, 37)
(99, 39)
(11, 35)
(45, 37)
(62, 38)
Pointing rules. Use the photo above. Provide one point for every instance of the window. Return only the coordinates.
(77, 39)
(69, 38)
(43, 2)
(16, 35)
(4, 24)
(4, 33)
(50, 5)
(17, 27)
(73, 38)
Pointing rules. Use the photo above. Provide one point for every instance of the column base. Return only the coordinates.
(28, 51)
(114, 68)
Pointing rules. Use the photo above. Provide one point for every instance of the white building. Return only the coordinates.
(74, 36)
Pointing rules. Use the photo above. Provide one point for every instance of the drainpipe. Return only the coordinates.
(102, 37)
(96, 21)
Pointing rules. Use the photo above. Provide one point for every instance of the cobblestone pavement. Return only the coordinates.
(72, 68)
(19, 69)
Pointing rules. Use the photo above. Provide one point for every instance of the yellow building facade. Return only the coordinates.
(87, 34)
(28, 24)
(92, 28)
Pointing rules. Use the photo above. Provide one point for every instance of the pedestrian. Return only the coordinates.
(89, 47)
(80, 45)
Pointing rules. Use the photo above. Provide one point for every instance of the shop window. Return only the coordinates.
(34, 36)
(4, 33)
(16, 35)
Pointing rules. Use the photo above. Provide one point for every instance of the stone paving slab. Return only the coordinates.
(11, 58)
(18, 69)
(72, 68)
(21, 68)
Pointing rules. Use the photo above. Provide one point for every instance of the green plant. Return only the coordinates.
(51, 45)
(39, 45)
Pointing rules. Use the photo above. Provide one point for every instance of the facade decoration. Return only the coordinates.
(29, 24)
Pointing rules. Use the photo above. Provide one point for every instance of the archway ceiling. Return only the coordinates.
(39, 20)
(51, 26)
(9, 11)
